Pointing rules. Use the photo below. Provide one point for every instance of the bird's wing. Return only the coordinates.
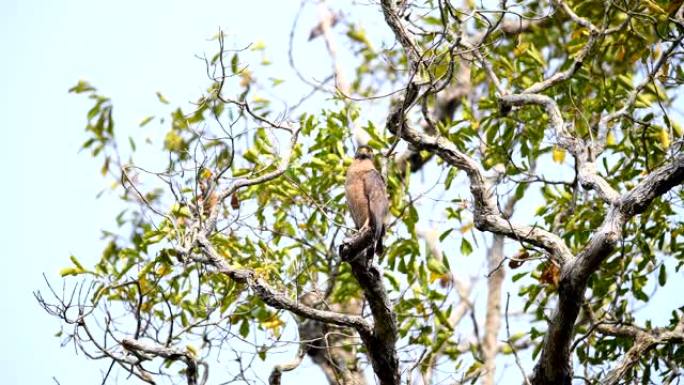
(374, 188)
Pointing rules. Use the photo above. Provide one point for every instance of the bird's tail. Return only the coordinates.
(379, 247)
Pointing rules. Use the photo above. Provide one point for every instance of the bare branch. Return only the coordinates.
(554, 362)
(487, 214)
(392, 18)
(275, 298)
(644, 341)
(277, 373)
(445, 106)
(515, 352)
(587, 174)
(171, 354)
(381, 343)
(577, 19)
(495, 257)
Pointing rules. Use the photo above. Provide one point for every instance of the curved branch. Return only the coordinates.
(275, 298)
(553, 366)
(245, 182)
(488, 217)
(587, 174)
(644, 341)
(170, 353)
(277, 373)
(389, 9)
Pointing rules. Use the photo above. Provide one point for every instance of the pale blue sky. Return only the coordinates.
(128, 50)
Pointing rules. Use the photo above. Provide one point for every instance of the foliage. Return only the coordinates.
(267, 189)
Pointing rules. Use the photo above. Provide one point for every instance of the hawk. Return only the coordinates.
(367, 196)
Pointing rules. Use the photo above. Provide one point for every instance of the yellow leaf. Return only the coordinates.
(359, 35)
(180, 211)
(521, 48)
(558, 154)
(437, 276)
(261, 272)
(146, 307)
(162, 98)
(191, 349)
(664, 137)
(654, 7)
(474, 368)
(145, 121)
(69, 271)
(435, 265)
(245, 78)
(610, 138)
(163, 270)
(579, 33)
(173, 141)
(662, 74)
(205, 173)
(467, 227)
(677, 129)
(258, 46)
(273, 324)
(259, 99)
(145, 285)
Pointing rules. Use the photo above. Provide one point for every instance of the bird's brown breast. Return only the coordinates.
(355, 193)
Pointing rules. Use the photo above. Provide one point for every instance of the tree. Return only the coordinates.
(565, 109)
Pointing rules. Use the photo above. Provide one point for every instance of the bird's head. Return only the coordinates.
(364, 152)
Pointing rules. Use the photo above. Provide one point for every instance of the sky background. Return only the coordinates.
(128, 50)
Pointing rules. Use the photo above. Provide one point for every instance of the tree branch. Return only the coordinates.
(487, 214)
(445, 106)
(644, 341)
(381, 343)
(495, 279)
(587, 174)
(553, 366)
(170, 353)
(275, 298)
(277, 373)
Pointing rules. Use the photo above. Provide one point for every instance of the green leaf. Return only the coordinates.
(466, 247)
(76, 262)
(234, 63)
(445, 234)
(517, 276)
(244, 328)
(69, 271)
(440, 316)
(146, 120)
(453, 171)
(162, 98)
(81, 86)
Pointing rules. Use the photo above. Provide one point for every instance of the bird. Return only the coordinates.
(366, 195)
(318, 29)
